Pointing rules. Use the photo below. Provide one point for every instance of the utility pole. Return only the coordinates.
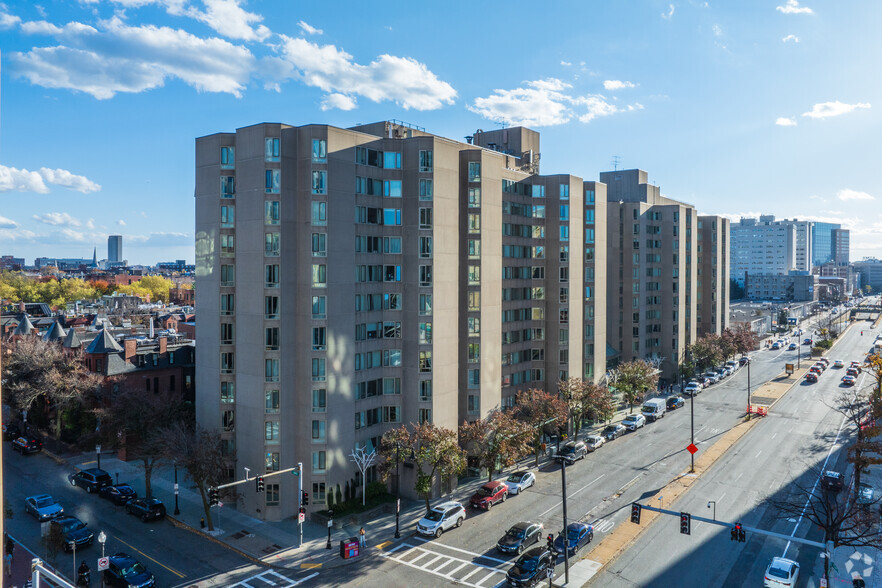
(300, 499)
(566, 547)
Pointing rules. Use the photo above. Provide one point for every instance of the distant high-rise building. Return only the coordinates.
(841, 246)
(822, 242)
(762, 247)
(114, 248)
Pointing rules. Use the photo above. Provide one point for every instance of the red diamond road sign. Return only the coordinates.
(692, 448)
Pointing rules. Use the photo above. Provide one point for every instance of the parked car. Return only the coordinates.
(577, 536)
(825, 361)
(811, 377)
(441, 518)
(732, 364)
(611, 432)
(26, 445)
(146, 508)
(594, 442)
(92, 479)
(791, 347)
(634, 421)
(806, 341)
(530, 568)
(744, 360)
(781, 573)
(838, 363)
(126, 571)
(821, 365)
(848, 380)
(519, 481)
(11, 432)
(43, 507)
(75, 532)
(654, 409)
(692, 389)
(712, 376)
(489, 494)
(776, 345)
(519, 537)
(675, 402)
(573, 451)
(815, 369)
(832, 481)
(118, 494)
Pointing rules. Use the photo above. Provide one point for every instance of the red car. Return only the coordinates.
(811, 377)
(488, 495)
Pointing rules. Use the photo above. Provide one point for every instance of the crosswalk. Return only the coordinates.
(451, 563)
(271, 578)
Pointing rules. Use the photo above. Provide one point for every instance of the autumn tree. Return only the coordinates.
(863, 410)
(396, 446)
(744, 338)
(584, 398)
(156, 288)
(634, 379)
(539, 409)
(873, 364)
(599, 402)
(496, 441)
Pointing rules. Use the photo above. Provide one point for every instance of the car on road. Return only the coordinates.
(519, 481)
(146, 508)
(806, 341)
(692, 389)
(838, 363)
(573, 451)
(611, 432)
(578, 535)
(848, 380)
(855, 364)
(776, 345)
(43, 507)
(118, 494)
(732, 364)
(594, 442)
(91, 479)
(441, 518)
(127, 572)
(832, 481)
(11, 431)
(519, 537)
(27, 445)
(489, 494)
(712, 376)
(744, 360)
(675, 402)
(75, 531)
(815, 369)
(825, 361)
(530, 568)
(634, 421)
(781, 573)
(791, 347)
(852, 372)
(811, 377)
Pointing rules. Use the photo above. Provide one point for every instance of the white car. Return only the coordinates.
(692, 389)
(443, 517)
(519, 481)
(594, 442)
(634, 421)
(781, 573)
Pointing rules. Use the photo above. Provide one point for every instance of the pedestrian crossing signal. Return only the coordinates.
(737, 533)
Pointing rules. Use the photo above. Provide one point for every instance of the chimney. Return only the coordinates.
(131, 347)
(163, 345)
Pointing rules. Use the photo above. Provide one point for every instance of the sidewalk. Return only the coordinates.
(21, 567)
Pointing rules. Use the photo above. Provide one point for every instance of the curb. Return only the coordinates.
(182, 525)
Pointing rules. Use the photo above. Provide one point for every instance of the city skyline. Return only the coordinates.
(709, 98)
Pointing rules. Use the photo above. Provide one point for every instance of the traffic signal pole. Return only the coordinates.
(566, 547)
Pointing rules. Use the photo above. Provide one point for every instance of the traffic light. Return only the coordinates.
(741, 534)
(259, 483)
(212, 496)
(685, 523)
(635, 513)
(737, 533)
(550, 540)
(305, 500)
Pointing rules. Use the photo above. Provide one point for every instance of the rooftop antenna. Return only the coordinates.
(502, 124)
(615, 161)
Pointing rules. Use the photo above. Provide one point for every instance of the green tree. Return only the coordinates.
(634, 379)
(539, 409)
(707, 351)
(498, 440)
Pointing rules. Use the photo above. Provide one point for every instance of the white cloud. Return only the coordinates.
(836, 108)
(121, 222)
(57, 219)
(847, 194)
(309, 29)
(785, 122)
(22, 180)
(338, 101)
(793, 38)
(40, 27)
(793, 7)
(122, 58)
(613, 85)
(669, 14)
(398, 79)
(544, 103)
(718, 32)
(90, 224)
(565, 63)
(228, 18)
(62, 177)
(7, 223)
(7, 21)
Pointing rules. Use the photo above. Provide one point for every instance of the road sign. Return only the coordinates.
(103, 563)
(691, 448)
(301, 517)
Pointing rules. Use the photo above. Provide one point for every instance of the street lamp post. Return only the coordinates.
(566, 547)
(102, 538)
(177, 510)
(397, 490)
(98, 453)
(714, 502)
(330, 524)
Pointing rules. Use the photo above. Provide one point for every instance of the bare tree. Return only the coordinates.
(363, 459)
(862, 409)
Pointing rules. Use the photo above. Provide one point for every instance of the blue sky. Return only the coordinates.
(741, 108)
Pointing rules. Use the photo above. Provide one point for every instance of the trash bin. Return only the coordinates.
(349, 548)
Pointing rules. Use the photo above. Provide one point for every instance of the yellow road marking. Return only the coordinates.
(310, 566)
(177, 573)
(383, 544)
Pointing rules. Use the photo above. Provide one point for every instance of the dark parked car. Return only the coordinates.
(146, 508)
(11, 431)
(75, 531)
(806, 341)
(573, 450)
(519, 537)
(118, 494)
(488, 495)
(126, 571)
(610, 432)
(832, 481)
(743, 360)
(25, 445)
(92, 479)
(530, 568)
(674, 402)
(578, 535)
(811, 377)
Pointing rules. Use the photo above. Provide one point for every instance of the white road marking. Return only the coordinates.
(758, 453)
(576, 492)
(287, 582)
(490, 571)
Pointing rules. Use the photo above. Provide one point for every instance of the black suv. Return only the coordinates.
(146, 508)
(92, 479)
(530, 568)
(75, 532)
(832, 481)
(572, 451)
(126, 571)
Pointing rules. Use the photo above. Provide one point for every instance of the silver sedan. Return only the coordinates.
(519, 481)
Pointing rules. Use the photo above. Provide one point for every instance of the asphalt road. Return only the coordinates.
(801, 433)
(174, 556)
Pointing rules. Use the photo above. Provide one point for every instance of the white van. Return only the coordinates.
(653, 409)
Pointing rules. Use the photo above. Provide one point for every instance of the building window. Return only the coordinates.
(319, 151)
(474, 248)
(425, 415)
(474, 171)
(474, 325)
(228, 363)
(273, 181)
(228, 158)
(318, 492)
(319, 400)
(425, 218)
(564, 212)
(272, 245)
(425, 333)
(474, 352)
(474, 404)
(319, 462)
(318, 431)
(425, 304)
(272, 338)
(272, 213)
(228, 420)
(589, 196)
(271, 432)
(425, 361)
(426, 161)
(474, 223)
(272, 401)
(475, 197)
(271, 370)
(271, 275)
(228, 245)
(392, 188)
(319, 245)
(319, 214)
(319, 181)
(564, 233)
(227, 392)
(473, 377)
(318, 307)
(564, 191)
(226, 335)
(426, 189)
(425, 247)
(271, 307)
(228, 275)
(425, 389)
(319, 275)
(318, 369)
(272, 148)
(228, 187)
(228, 217)
(474, 275)
(392, 160)
(319, 341)
(474, 300)
(425, 275)
(227, 306)
(589, 216)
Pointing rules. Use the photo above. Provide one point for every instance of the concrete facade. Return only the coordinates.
(795, 287)
(762, 247)
(712, 307)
